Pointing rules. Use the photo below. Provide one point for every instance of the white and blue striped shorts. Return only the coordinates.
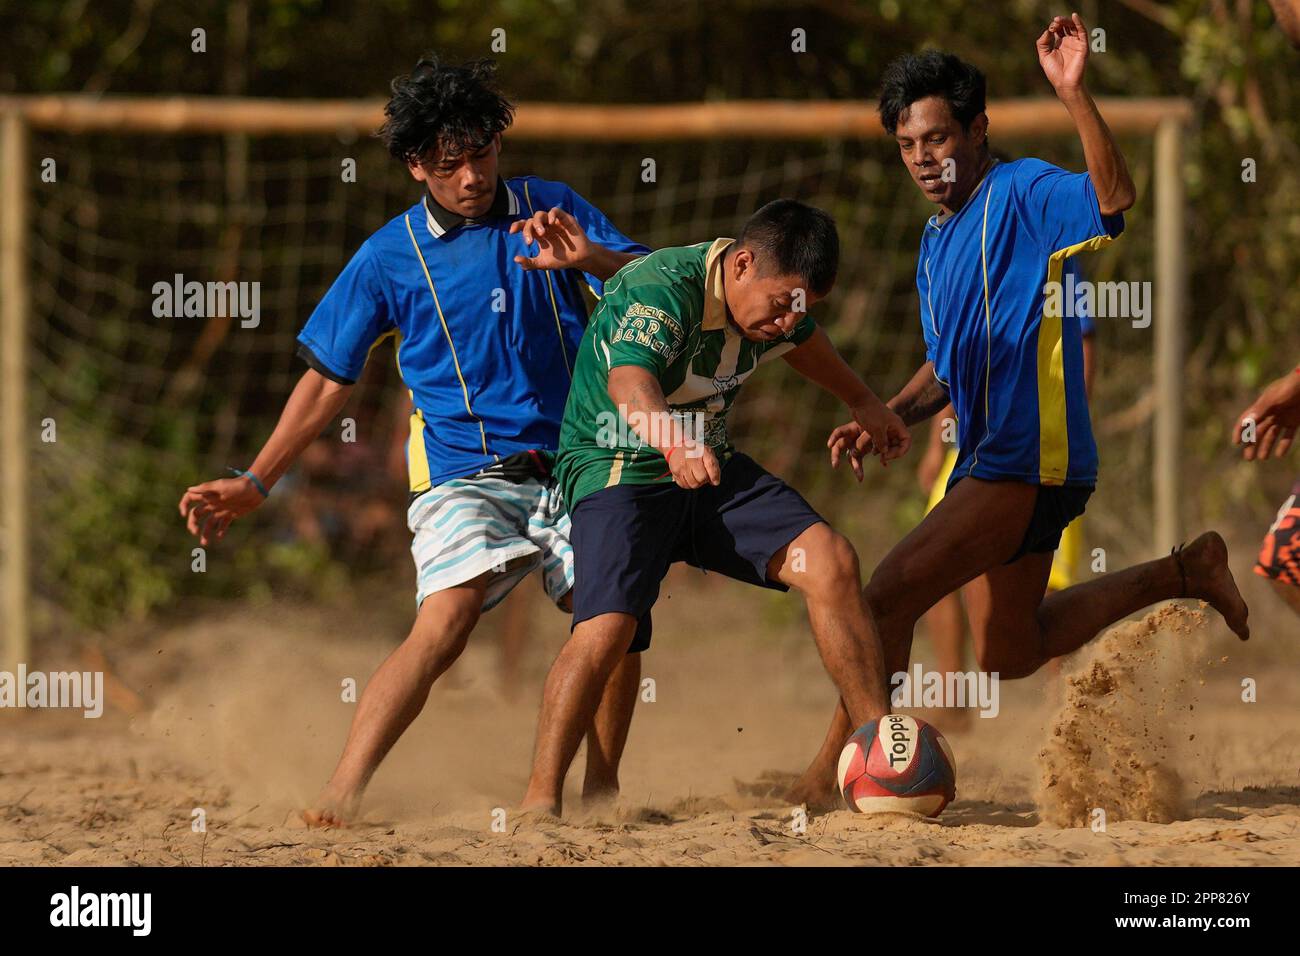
(466, 527)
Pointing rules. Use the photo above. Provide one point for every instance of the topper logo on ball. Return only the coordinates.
(902, 736)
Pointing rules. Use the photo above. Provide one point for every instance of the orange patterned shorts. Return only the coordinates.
(1279, 556)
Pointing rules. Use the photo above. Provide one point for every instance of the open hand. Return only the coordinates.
(561, 241)
(209, 508)
(1275, 416)
(1063, 53)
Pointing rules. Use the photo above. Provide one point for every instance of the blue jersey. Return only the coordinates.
(1012, 364)
(485, 347)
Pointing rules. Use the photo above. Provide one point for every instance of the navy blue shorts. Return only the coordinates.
(625, 537)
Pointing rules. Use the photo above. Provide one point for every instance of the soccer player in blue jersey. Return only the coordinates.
(479, 282)
(1000, 350)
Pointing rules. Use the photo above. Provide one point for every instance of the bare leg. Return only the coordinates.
(947, 634)
(514, 637)
(975, 529)
(573, 692)
(395, 695)
(944, 624)
(830, 581)
(848, 642)
(1017, 631)
(608, 734)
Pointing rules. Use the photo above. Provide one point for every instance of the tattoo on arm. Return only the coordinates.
(920, 404)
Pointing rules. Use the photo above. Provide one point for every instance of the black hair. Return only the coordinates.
(440, 105)
(914, 76)
(794, 239)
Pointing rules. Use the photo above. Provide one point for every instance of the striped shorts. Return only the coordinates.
(466, 527)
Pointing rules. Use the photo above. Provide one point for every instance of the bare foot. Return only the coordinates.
(1206, 562)
(331, 810)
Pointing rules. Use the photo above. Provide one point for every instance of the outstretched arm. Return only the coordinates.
(919, 400)
(1063, 55)
(563, 244)
(1271, 421)
(881, 431)
(209, 508)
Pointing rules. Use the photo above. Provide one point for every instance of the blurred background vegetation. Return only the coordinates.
(108, 489)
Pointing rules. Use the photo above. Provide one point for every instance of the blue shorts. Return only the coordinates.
(624, 538)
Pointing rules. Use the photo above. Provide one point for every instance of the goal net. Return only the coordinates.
(126, 405)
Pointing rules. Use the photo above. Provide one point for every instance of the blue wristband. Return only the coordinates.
(254, 479)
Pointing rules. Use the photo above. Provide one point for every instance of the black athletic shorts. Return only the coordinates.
(1054, 508)
(624, 538)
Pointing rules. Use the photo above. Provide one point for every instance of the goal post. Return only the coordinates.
(1163, 122)
(15, 429)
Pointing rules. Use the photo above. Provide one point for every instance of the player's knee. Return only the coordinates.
(603, 640)
(442, 634)
(831, 569)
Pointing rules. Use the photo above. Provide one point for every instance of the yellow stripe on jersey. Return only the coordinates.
(464, 389)
(559, 330)
(390, 334)
(1053, 428)
(615, 471)
(417, 456)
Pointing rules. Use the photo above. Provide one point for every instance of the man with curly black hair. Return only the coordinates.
(487, 330)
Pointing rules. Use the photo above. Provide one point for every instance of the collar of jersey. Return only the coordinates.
(939, 218)
(715, 303)
(442, 221)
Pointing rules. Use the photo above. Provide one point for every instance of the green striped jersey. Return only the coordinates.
(664, 313)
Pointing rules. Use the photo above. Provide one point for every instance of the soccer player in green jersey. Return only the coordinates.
(651, 478)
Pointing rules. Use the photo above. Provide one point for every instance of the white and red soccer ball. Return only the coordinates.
(897, 763)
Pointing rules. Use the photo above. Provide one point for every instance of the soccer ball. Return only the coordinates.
(897, 763)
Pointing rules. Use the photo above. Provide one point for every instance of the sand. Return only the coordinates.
(245, 718)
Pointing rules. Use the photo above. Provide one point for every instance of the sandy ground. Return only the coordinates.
(245, 719)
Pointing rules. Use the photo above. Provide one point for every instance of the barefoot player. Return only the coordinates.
(944, 622)
(1011, 365)
(675, 337)
(486, 340)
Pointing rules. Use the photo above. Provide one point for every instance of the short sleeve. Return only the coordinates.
(1059, 208)
(648, 335)
(349, 320)
(599, 229)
